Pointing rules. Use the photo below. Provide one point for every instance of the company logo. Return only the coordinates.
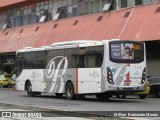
(35, 74)
(53, 69)
(95, 74)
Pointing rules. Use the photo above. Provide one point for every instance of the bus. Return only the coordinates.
(82, 67)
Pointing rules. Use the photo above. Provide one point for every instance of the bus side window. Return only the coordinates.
(19, 64)
(72, 57)
(81, 63)
(99, 60)
(41, 59)
(81, 57)
(90, 61)
(94, 56)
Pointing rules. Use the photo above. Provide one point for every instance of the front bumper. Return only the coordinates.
(126, 89)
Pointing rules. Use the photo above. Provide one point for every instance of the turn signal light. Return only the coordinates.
(143, 76)
(109, 76)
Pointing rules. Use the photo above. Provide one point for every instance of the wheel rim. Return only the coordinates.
(69, 92)
(29, 90)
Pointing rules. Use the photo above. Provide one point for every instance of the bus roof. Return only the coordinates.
(67, 44)
(60, 45)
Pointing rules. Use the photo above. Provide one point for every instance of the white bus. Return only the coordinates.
(79, 68)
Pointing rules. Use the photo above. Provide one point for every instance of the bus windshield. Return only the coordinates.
(126, 52)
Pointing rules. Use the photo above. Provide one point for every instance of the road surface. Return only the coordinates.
(89, 105)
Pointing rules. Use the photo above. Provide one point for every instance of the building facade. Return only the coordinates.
(31, 12)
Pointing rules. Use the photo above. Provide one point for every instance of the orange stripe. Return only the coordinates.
(76, 80)
(128, 76)
(77, 76)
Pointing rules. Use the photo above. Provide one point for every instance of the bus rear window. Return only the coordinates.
(126, 52)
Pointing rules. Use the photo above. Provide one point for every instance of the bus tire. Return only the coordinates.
(58, 95)
(69, 91)
(29, 90)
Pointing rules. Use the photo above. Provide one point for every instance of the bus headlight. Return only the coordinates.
(143, 76)
(109, 76)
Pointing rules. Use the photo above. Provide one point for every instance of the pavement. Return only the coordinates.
(9, 113)
(19, 114)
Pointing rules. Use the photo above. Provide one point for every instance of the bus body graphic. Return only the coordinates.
(125, 75)
(85, 67)
(54, 73)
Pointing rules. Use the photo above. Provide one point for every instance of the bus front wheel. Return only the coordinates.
(29, 90)
(70, 93)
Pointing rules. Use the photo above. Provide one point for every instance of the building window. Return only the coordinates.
(25, 19)
(97, 5)
(34, 12)
(70, 2)
(75, 10)
(92, 6)
(86, 7)
(61, 13)
(131, 3)
(70, 11)
(60, 3)
(41, 6)
(108, 5)
(80, 9)
(123, 3)
(18, 19)
(146, 1)
(154, 1)
(9, 23)
(138, 2)
(45, 17)
(50, 5)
